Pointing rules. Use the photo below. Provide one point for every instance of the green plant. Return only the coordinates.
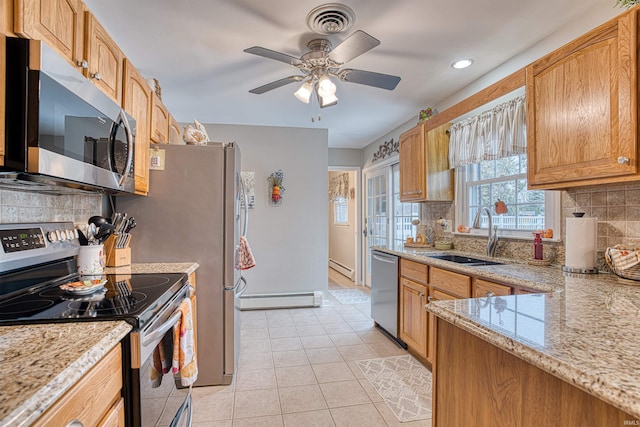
(627, 3)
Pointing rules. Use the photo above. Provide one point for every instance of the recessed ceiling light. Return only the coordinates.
(462, 63)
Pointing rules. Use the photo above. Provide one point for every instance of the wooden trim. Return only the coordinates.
(488, 94)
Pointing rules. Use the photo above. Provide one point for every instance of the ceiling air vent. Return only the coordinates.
(330, 18)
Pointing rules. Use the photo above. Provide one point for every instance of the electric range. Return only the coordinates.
(36, 258)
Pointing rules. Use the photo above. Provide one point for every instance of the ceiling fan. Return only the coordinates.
(323, 62)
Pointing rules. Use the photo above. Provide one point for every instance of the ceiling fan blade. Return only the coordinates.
(354, 45)
(369, 78)
(276, 84)
(272, 54)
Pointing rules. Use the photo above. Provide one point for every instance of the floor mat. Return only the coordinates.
(403, 383)
(350, 296)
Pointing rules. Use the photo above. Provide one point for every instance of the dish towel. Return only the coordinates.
(160, 363)
(184, 364)
(244, 256)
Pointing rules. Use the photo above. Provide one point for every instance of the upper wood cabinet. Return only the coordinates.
(582, 109)
(175, 133)
(136, 100)
(159, 121)
(105, 59)
(59, 23)
(424, 165)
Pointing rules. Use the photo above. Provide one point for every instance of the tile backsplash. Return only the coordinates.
(19, 206)
(617, 207)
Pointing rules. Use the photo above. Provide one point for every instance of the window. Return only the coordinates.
(341, 211)
(483, 184)
(403, 213)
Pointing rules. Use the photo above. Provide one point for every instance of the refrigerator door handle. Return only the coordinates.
(246, 208)
(244, 287)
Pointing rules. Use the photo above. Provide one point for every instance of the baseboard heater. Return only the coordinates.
(283, 300)
(342, 269)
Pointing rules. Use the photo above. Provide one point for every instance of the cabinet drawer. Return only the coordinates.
(414, 271)
(437, 295)
(115, 416)
(91, 397)
(456, 284)
(523, 291)
(483, 287)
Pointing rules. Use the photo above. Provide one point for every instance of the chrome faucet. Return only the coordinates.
(492, 242)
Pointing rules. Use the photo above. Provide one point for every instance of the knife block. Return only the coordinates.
(116, 257)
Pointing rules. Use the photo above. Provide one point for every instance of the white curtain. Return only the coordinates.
(493, 134)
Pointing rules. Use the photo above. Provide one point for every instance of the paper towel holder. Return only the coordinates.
(579, 270)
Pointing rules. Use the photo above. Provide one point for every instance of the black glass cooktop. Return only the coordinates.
(135, 298)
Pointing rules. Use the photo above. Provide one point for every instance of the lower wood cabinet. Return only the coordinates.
(413, 316)
(94, 400)
(483, 288)
(476, 383)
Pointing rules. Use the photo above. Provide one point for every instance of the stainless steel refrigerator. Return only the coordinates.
(193, 213)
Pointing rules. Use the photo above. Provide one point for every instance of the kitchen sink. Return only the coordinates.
(461, 259)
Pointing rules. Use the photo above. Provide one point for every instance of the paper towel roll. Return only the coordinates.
(582, 238)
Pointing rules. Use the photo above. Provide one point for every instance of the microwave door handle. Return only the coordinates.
(127, 130)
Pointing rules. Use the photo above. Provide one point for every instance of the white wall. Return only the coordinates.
(289, 242)
(342, 238)
(345, 157)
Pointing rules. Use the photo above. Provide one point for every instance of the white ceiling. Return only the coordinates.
(195, 49)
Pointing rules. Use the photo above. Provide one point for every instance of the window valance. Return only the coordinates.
(339, 186)
(493, 134)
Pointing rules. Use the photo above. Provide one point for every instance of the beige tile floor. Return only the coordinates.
(296, 368)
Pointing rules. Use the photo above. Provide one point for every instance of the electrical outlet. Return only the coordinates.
(448, 226)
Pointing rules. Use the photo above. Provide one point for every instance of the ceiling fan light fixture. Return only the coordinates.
(304, 92)
(462, 63)
(325, 86)
(328, 101)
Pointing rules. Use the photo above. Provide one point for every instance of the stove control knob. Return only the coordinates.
(70, 235)
(61, 236)
(52, 236)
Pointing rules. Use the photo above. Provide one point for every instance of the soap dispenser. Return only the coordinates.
(537, 246)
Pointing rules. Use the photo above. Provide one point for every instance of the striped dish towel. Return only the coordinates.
(185, 365)
(624, 259)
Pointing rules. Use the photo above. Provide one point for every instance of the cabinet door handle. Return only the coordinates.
(429, 298)
(489, 294)
(623, 160)
(74, 423)
(96, 76)
(83, 64)
(421, 295)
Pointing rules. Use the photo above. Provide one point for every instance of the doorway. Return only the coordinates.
(344, 223)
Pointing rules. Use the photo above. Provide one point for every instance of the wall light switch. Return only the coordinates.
(448, 228)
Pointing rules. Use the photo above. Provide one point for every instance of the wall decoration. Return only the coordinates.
(339, 186)
(276, 189)
(386, 150)
(249, 181)
(425, 115)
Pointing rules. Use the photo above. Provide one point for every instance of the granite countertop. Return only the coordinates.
(154, 267)
(41, 362)
(582, 329)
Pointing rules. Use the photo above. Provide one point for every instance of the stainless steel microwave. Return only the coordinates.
(60, 129)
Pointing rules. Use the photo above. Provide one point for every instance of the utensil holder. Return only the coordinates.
(116, 257)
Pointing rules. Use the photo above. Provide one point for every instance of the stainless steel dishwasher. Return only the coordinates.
(384, 291)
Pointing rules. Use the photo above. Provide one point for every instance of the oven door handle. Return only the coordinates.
(159, 333)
